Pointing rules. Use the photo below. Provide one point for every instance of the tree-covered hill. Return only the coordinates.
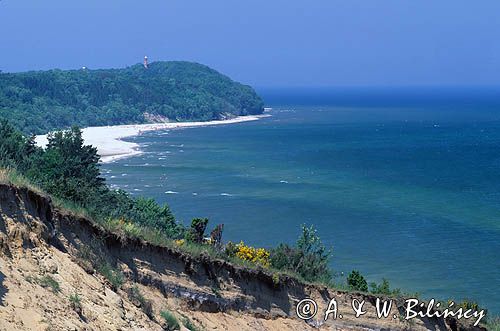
(37, 102)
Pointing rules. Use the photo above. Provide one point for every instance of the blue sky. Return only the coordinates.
(264, 42)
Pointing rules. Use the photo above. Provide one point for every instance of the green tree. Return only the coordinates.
(357, 282)
(197, 231)
(309, 257)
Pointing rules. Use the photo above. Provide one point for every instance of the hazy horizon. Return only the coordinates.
(264, 44)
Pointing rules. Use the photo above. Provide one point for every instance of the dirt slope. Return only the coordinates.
(47, 256)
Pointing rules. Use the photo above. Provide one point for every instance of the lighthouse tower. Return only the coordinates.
(146, 62)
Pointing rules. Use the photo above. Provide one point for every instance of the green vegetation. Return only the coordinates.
(41, 101)
(384, 288)
(75, 302)
(48, 281)
(357, 282)
(197, 231)
(69, 171)
(113, 275)
(309, 258)
(189, 325)
(171, 321)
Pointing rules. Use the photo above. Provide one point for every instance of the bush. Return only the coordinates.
(147, 212)
(258, 256)
(189, 325)
(384, 288)
(114, 276)
(357, 282)
(216, 236)
(170, 320)
(197, 231)
(75, 302)
(231, 249)
(309, 258)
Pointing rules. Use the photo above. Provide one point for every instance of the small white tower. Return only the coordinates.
(146, 62)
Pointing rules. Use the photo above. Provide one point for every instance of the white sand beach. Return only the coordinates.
(108, 141)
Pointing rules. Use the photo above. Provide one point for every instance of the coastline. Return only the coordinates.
(111, 147)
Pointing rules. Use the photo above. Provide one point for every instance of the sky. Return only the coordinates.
(264, 43)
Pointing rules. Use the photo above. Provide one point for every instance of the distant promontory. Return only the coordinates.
(40, 101)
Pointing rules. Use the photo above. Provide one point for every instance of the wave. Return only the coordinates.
(171, 192)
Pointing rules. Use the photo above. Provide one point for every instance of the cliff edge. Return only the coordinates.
(59, 271)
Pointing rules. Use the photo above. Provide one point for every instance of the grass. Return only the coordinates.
(71, 207)
(113, 275)
(12, 176)
(189, 325)
(48, 281)
(216, 292)
(171, 321)
(75, 302)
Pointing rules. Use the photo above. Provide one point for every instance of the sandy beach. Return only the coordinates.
(109, 143)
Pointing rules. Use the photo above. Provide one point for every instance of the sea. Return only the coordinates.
(402, 183)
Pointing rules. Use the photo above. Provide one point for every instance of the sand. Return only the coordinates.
(109, 143)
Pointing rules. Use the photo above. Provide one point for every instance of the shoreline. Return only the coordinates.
(111, 147)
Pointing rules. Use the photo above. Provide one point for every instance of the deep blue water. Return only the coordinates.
(404, 185)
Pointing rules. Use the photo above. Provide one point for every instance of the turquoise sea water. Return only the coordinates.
(404, 186)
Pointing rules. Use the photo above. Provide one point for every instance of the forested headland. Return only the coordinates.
(36, 102)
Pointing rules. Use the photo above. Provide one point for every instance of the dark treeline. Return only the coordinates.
(37, 102)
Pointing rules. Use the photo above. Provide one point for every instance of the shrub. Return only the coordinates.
(48, 281)
(216, 236)
(188, 324)
(276, 279)
(468, 304)
(216, 291)
(75, 302)
(384, 288)
(309, 258)
(114, 276)
(231, 249)
(258, 256)
(357, 282)
(197, 231)
(147, 212)
(170, 320)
